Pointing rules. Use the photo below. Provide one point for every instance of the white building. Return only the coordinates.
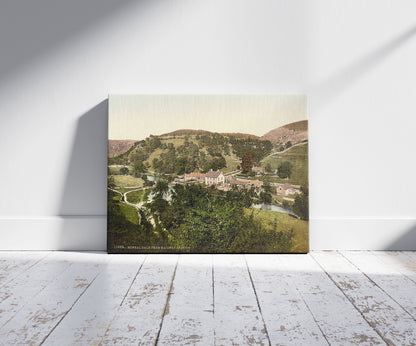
(214, 178)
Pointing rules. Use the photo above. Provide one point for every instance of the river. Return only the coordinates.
(275, 208)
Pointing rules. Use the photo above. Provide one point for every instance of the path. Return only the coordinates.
(287, 149)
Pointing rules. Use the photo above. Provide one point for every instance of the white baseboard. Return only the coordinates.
(89, 233)
(54, 233)
(363, 234)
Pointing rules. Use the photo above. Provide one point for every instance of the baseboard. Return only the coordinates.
(363, 234)
(54, 233)
(89, 233)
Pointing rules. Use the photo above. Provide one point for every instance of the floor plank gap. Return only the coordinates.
(381, 288)
(167, 301)
(257, 300)
(350, 300)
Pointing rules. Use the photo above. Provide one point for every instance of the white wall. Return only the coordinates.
(60, 59)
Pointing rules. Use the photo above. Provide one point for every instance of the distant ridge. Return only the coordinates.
(294, 132)
(184, 132)
(188, 132)
(119, 146)
(239, 134)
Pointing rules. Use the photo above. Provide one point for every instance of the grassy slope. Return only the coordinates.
(298, 156)
(116, 170)
(285, 223)
(137, 196)
(126, 180)
(129, 212)
(154, 155)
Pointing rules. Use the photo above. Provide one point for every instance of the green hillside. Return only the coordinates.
(178, 154)
(298, 157)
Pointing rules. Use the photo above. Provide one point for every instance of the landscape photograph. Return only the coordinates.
(208, 174)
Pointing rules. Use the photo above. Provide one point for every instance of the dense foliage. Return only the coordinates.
(196, 219)
(172, 155)
(285, 169)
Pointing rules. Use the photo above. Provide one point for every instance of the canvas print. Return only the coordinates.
(208, 174)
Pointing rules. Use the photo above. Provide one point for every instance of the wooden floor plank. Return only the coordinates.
(189, 318)
(338, 319)
(287, 317)
(34, 321)
(16, 293)
(89, 319)
(386, 276)
(14, 263)
(391, 322)
(401, 261)
(238, 320)
(139, 318)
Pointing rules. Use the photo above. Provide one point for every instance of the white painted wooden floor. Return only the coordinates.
(336, 298)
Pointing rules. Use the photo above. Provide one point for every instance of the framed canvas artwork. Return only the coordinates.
(208, 174)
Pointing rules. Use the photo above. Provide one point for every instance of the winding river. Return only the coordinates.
(275, 208)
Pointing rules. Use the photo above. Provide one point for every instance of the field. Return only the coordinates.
(298, 156)
(115, 170)
(126, 181)
(138, 196)
(285, 222)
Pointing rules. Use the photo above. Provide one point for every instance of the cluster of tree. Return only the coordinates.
(258, 148)
(197, 219)
(208, 220)
(205, 152)
(285, 169)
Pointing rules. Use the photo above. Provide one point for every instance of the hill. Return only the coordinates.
(239, 135)
(295, 133)
(190, 132)
(119, 146)
(184, 132)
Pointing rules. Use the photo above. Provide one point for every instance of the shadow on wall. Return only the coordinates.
(406, 242)
(84, 197)
(29, 30)
(85, 187)
(325, 91)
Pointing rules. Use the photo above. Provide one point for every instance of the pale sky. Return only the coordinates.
(138, 116)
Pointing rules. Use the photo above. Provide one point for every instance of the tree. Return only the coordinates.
(285, 169)
(268, 168)
(162, 186)
(301, 205)
(288, 144)
(266, 198)
(247, 162)
(138, 169)
(124, 171)
(267, 187)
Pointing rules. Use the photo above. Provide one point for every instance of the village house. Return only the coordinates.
(199, 177)
(214, 177)
(287, 189)
(244, 183)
